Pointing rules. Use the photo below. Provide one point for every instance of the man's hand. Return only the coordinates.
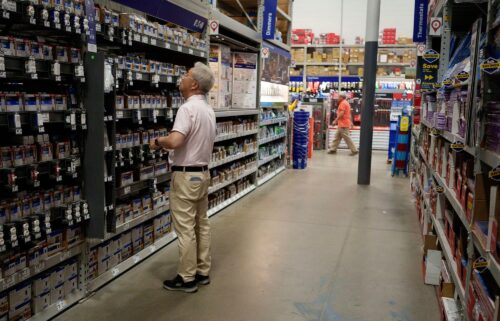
(153, 146)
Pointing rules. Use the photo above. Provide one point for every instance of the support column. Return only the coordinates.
(369, 79)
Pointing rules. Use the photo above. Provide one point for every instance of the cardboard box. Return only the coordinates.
(4, 304)
(71, 270)
(126, 245)
(42, 284)
(41, 302)
(71, 285)
(57, 293)
(57, 276)
(137, 239)
(20, 312)
(19, 296)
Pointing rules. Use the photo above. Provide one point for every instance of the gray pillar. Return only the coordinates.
(369, 79)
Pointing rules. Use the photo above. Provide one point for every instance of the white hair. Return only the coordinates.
(204, 76)
(342, 94)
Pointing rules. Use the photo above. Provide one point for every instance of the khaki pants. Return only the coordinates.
(344, 133)
(189, 205)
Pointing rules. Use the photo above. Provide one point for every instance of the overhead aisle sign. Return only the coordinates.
(270, 12)
(420, 21)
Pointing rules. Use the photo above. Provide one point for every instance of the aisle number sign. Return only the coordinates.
(427, 69)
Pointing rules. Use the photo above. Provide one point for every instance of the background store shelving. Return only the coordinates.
(127, 90)
(454, 160)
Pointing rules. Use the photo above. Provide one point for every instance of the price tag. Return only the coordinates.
(119, 74)
(191, 52)
(46, 24)
(145, 39)
(25, 274)
(154, 42)
(152, 248)
(179, 48)
(79, 71)
(126, 226)
(119, 114)
(39, 267)
(137, 37)
(167, 45)
(58, 178)
(32, 21)
(202, 54)
(136, 259)
(98, 27)
(78, 31)
(75, 175)
(61, 305)
(126, 190)
(58, 26)
(6, 15)
(115, 272)
(68, 28)
(10, 281)
(36, 184)
(138, 76)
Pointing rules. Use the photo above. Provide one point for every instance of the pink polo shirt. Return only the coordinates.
(195, 120)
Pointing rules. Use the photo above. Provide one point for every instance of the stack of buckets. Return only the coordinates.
(300, 139)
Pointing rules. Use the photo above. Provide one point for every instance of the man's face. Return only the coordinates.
(187, 84)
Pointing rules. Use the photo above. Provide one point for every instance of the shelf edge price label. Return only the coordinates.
(152, 248)
(179, 48)
(3, 74)
(458, 147)
(191, 52)
(494, 174)
(136, 259)
(167, 45)
(115, 272)
(61, 305)
(137, 37)
(145, 39)
(126, 190)
(153, 41)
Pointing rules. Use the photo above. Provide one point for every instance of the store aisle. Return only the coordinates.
(310, 245)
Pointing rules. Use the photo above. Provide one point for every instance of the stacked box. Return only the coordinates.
(220, 61)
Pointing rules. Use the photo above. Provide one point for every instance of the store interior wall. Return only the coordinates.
(324, 16)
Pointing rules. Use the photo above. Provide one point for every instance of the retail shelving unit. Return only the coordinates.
(97, 81)
(274, 117)
(455, 159)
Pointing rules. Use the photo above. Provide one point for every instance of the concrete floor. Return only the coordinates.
(308, 246)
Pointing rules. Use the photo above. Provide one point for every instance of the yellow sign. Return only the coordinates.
(439, 189)
(480, 263)
(457, 146)
(405, 123)
(494, 173)
(429, 77)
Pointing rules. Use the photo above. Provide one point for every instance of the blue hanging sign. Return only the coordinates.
(170, 12)
(270, 11)
(420, 21)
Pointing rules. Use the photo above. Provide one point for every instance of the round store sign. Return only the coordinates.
(448, 82)
(420, 49)
(462, 76)
(458, 147)
(431, 56)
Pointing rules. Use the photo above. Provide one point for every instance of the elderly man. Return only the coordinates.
(192, 140)
(344, 126)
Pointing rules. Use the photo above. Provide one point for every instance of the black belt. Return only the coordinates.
(189, 168)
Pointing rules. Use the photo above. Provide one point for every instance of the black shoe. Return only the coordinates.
(202, 280)
(178, 284)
